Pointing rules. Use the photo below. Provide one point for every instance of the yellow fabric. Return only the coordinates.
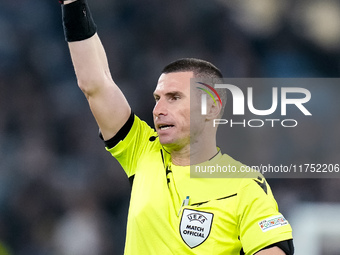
(224, 214)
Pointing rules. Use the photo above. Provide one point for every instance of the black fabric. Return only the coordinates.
(131, 178)
(241, 251)
(287, 246)
(262, 183)
(121, 134)
(77, 21)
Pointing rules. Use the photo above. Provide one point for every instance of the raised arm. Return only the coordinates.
(108, 104)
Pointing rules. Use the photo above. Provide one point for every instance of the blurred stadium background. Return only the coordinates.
(62, 194)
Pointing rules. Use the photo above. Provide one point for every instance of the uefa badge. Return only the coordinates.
(195, 227)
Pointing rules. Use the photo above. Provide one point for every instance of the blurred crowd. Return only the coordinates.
(60, 192)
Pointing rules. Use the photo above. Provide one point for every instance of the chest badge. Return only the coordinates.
(195, 227)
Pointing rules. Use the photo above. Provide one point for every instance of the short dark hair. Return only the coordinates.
(201, 69)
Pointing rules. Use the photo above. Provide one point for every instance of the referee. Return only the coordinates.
(171, 213)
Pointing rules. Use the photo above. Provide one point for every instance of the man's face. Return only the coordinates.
(172, 110)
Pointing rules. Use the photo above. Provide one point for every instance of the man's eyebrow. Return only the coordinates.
(174, 93)
(170, 93)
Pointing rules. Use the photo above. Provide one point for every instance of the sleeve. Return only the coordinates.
(131, 148)
(260, 223)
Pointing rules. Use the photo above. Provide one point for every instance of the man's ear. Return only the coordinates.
(213, 110)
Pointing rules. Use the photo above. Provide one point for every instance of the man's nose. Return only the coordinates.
(160, 108)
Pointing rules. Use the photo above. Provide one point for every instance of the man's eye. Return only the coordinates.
(175, 98)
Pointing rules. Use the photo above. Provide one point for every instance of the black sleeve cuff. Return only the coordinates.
(121, 134)
(287, 246)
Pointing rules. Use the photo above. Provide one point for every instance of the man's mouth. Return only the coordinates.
(164, 127)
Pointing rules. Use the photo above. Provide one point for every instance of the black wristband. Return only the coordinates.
(77, 21)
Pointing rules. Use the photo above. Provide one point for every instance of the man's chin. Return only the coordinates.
(166, 141)
(170, 144)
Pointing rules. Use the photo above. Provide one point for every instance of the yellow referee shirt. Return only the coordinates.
(171, 213)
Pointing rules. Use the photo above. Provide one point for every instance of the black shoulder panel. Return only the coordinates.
(262, 183)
